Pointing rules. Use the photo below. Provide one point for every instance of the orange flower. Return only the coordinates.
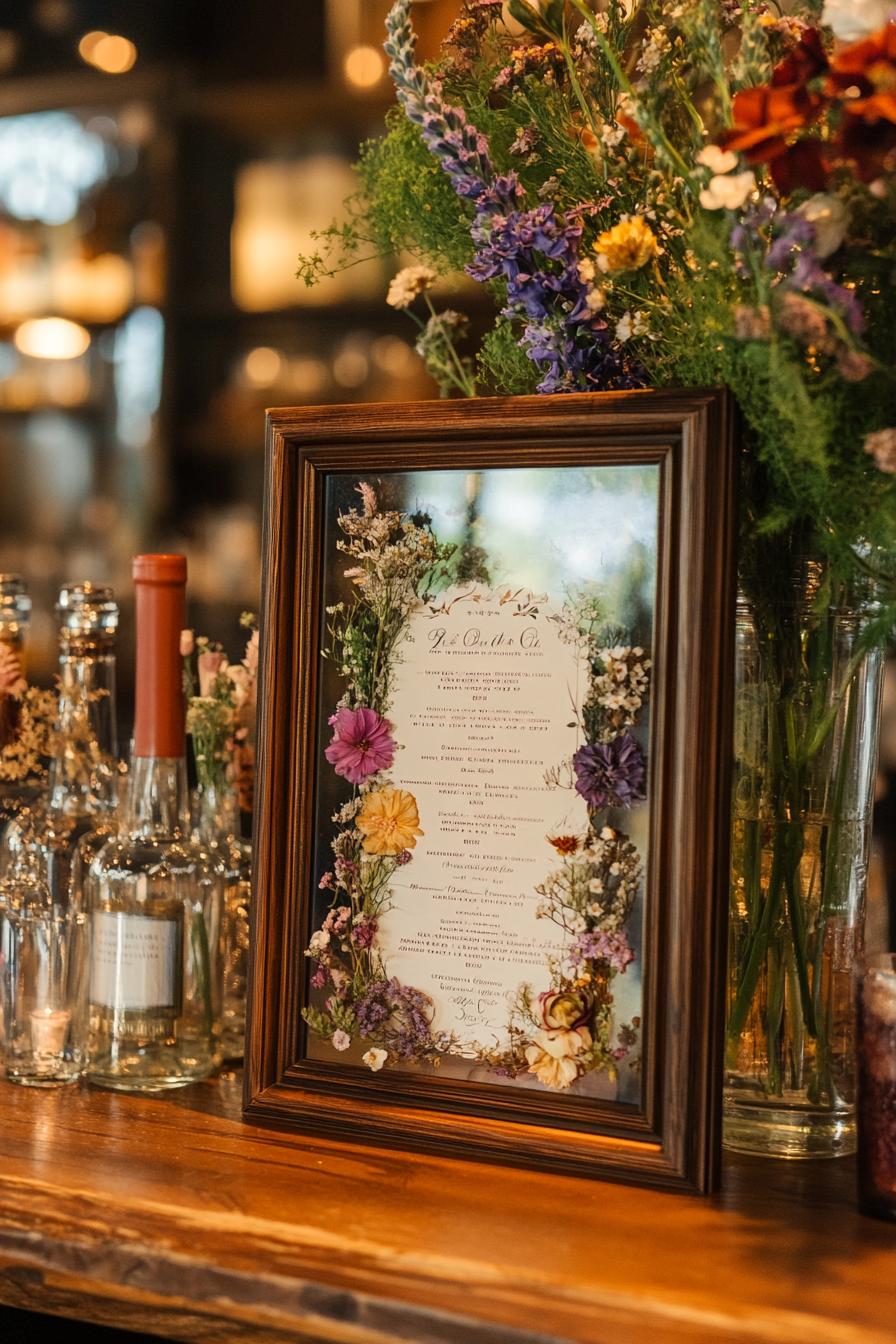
(389, 821)
(863, 77)
(768, 118)
(565, 844)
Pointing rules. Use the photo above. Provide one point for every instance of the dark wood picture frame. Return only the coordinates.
(673, 1139)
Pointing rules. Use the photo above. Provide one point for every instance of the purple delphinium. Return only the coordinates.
(535, 251)
(612, 948)
(362, 744)
(610, 774)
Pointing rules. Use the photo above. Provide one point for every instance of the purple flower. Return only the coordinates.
(362, 744)
(534, 251)
(364, 932)
(321, 976)
(610, 774)
(404, 857)
(612, 948)
(399, 1016)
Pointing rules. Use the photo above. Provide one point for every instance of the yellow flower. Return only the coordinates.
(626, 247)
(389, 821)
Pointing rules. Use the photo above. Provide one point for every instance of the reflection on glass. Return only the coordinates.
(484, 781)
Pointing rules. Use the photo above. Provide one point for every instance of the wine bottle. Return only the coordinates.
(81, 797)
(155, 898)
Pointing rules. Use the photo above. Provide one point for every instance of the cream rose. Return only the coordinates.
(552, 1056)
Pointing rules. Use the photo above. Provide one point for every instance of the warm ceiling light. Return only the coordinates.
(107, 52)
(52, 338)
(262, 365)
(364, 67)
(88, 44)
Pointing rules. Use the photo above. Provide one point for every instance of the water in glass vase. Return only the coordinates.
(789, 1067)
(808, 682)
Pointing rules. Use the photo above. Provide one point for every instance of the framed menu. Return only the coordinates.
(492, 807)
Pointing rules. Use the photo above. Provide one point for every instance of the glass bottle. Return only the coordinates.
(80, 804)
(155, 897)
(217, 826)
(15, 616)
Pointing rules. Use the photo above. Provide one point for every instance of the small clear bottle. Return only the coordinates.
(78, 811)
(154, 896)
(15, 617)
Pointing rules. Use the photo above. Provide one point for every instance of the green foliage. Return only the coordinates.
(409, 202)
(503, 364)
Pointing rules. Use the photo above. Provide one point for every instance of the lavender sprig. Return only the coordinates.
(535, 251)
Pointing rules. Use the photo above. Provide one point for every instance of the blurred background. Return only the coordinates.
(161, 168)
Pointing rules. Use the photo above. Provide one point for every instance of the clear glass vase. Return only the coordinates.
(217, 826)
(806, 729)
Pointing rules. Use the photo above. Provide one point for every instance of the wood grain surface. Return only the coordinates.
(175, 1217)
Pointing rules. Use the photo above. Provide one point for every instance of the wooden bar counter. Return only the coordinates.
(173, 1217)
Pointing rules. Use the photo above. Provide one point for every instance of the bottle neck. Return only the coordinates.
(217, 814)
(158, 801)
(83, 767)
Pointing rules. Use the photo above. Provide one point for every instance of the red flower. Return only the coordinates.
(862, 77)
(805, 62)
(765, 120)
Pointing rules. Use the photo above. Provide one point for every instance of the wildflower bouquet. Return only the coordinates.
(220, 702)
(700, 192)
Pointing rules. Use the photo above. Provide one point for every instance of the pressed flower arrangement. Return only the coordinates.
(556, 1034)
(701, 193)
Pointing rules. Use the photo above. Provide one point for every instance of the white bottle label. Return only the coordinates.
(135, 963)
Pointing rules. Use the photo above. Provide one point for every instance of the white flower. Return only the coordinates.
(319, 940)
(552, 1055)
(851, 20)
(594, 299)
(655, 48)
(829, 217)
(727, 193)
(586, 270)
(407, 284)
(375, 1059)
(719, 161)
(239, 677)
(341, 1040)
(631, 324)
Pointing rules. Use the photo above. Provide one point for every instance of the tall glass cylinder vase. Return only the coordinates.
(807, 711)
(217, 826)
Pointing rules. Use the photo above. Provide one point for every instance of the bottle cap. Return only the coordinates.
(87, 611)
(160, 569)
(159, 583)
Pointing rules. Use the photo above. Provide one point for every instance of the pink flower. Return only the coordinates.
(341, 1040)
(209, 664)
(361, 745)
(187, 643)
(251, 658)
